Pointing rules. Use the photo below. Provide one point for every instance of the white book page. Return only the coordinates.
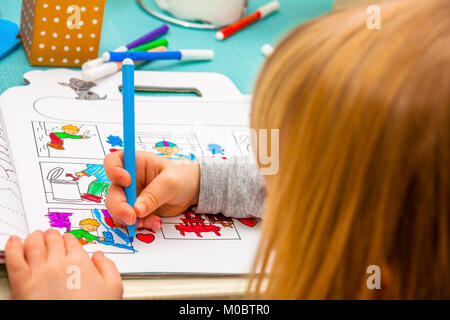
(63, 184)
(12, 217)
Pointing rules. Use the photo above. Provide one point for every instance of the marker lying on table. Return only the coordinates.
(262, 12)
(129, 156)
(168, 55)
(152, 35)
(109, 68)
(151, 45)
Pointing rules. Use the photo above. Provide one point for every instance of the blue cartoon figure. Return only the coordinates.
(115, 141)
(170, 151)
(216, 151)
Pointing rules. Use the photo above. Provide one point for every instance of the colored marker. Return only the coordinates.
(262, 12)
(150, 45)
(109, 68)
(168, 55)
(152, 35)
(129, 140)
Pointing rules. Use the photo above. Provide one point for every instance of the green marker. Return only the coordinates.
(151, 45)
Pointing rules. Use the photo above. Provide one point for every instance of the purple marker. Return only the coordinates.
(152, 35)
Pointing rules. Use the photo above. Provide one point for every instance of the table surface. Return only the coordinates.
(238, 57)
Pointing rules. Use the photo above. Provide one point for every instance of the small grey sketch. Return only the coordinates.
(242, 138)
(82, 89)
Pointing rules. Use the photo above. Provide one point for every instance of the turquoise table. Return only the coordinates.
(238, 57)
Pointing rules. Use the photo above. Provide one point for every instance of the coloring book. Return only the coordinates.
(55, 133)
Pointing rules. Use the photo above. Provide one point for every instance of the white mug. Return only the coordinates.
(217, 12)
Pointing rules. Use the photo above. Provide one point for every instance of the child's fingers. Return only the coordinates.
(150, 222)
(55, 244)
(117, 205)
(114, 170)
(16, 264)
(35, 249)
(160, 190)
(106, 268)
(73, 246)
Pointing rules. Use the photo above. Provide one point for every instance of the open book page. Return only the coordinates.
(12, 218)
(59, 137)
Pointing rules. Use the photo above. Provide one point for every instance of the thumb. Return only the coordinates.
(160, 190)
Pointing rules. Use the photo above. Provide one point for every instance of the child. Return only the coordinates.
(364, 177)
(69, 132)
(84, 235)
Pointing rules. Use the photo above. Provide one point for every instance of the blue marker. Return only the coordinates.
(129, 134)
(164, 55)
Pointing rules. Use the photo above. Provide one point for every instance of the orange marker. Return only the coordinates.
(262, 12)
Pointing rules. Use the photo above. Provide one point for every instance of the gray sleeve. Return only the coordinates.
(233, 187)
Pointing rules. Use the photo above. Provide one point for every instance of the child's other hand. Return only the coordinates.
(164, 187)
(50, 266)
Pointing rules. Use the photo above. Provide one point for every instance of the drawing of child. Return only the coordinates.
(170, 151)
(97, 187)
(69, 132)
(84, 235)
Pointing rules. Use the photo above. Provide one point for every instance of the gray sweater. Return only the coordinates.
(233, 187)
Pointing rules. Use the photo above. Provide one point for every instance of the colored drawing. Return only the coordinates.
(75, 183)
(249, 222)
(176, 145)
(216, 151)
(145, 237)
(171, 151)
(60, 220)
(83, 234)
(193, 222)
(68, 132)
(92, 228)
(97, 188)
(114, 141)
(67, 140)
(226, 222)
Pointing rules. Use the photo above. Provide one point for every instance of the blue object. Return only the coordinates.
(216, 149)
(129, 135)
(115, 141)
(145, 55)
(8, 37)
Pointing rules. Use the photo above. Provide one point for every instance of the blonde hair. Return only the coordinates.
(364, 121)
(70, 127)
(91, 222)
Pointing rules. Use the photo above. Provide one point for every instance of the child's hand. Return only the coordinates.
(51, 266)
(164, 187)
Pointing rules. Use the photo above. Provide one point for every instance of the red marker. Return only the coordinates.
(262, 12)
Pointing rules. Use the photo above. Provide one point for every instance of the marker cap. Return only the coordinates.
(101, 71)
(197, 54)
(269, 8)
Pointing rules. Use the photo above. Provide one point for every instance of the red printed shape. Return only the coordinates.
(249, 222)
(146, 238)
